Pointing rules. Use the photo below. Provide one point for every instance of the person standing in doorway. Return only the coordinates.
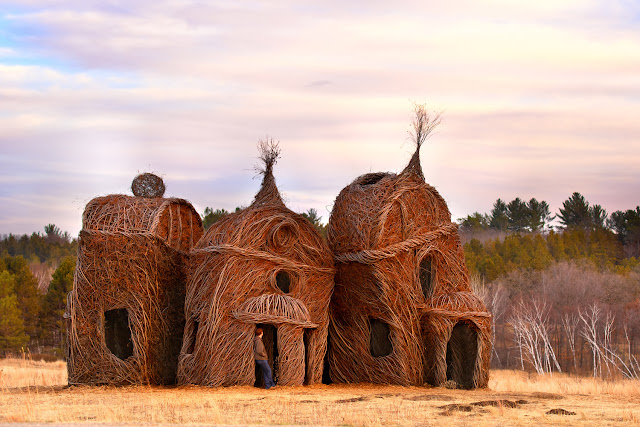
(262, 360)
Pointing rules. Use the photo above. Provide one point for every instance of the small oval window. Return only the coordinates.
(283, 281)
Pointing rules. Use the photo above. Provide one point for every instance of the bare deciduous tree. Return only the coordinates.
(570, 326)
(530, 324)
(496, 299)
(597, 330)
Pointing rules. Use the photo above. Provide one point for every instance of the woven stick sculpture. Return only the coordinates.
(267, 266)
(126, 309)
(402, 311)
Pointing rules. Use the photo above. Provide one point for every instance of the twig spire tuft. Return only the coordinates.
(269, 153)
(422, 126)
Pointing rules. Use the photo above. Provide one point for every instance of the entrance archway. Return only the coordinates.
(270, 341)
(462, 354)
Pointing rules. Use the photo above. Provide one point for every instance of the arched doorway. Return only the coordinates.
(270, 341)
(462, 354)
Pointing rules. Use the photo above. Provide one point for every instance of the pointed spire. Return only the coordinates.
(422, 126)
(414, 165)
(269, 154)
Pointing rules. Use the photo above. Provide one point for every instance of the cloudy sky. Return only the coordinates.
(540, 99)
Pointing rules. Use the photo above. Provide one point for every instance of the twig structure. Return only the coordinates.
(402, 311)
(126, 310)
(262, 266)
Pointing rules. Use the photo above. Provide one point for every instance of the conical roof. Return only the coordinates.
(268, 193)
(414, 167)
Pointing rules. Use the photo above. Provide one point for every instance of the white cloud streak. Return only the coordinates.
(539, 99)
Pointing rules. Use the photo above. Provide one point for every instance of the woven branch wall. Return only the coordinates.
(127, 305)
(402, 311)
(264, 265)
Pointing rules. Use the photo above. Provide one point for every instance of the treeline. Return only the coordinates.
(565, 300)
(50, 247)
(36, 273)
(30, 318)
(534, 251)
(43, 252)
(534, 216)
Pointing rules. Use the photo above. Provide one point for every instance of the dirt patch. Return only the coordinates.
(550, 396)
(455, 407)
(500, 403)
(354, 399)
(383, 395)
(559, 411)
(425, 397)
(37, 389)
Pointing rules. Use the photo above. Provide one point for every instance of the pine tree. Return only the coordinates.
(499, 218)
(475, 222)
(12, 336)
(598, 217)
(54, 303)
(210, 216)
(518, 214)
(316, 220)
(575, 212)
(26, 291)
(540, 215)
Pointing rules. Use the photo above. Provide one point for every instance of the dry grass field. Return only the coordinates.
(35, 392)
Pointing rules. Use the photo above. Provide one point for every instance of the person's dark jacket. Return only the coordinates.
(259, 352)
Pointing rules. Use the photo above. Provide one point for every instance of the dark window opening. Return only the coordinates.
(270, 341)
(371, 178)
(326, 372)
(193, 337)
(117, 333)
(379, 341)
(283, 281)
(426, 277)
(462, 352)
(306, 338)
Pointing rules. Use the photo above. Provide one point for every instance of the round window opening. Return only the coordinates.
(283, 281)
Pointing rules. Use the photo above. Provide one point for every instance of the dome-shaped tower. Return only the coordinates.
(263, 266)
(402, 311)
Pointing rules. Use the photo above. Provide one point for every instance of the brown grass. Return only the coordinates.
(33, 391)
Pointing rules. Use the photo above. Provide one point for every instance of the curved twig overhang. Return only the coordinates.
(275, 309)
